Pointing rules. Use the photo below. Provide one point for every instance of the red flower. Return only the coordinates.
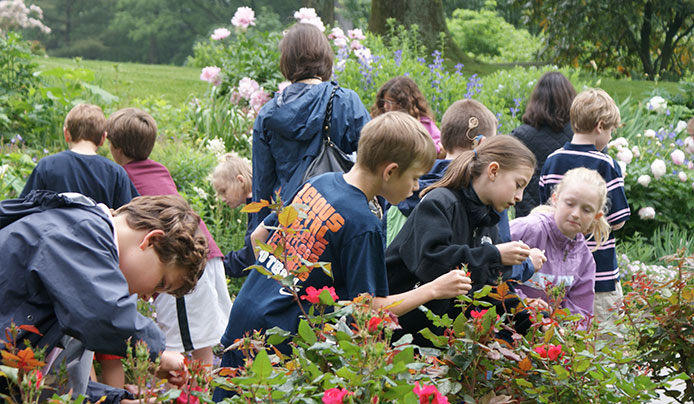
(553, 352)
(335, 395)
(187, 398)
(39, 379)
(313, 294)
(542, 351)
(426, 392)
(478, 314)
(373, 324)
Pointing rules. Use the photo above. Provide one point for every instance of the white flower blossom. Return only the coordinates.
(216, 146)
(644, 180)
(658, 168)
(681, 125)
(647, 213)
(657, 104)
(625, 155)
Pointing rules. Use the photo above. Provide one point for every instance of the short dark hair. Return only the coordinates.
(133, 131)
(456, 133)
(550, 102)
(86, 122)
(304, 53)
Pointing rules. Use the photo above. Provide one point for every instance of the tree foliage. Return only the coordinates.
(650, 36)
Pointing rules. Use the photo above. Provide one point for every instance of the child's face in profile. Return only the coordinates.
(232, 194)
(143, 269)
(402, 185)
(506, 187)
(575, 209)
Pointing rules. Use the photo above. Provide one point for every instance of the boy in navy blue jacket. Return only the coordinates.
(71, 267)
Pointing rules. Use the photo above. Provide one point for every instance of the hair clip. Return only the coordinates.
(472, 123)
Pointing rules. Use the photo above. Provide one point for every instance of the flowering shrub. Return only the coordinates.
(14, 14)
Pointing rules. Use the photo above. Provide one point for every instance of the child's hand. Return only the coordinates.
(172, 367)
(513, 253)
(538, 258)
(537, 304)
(454, 283)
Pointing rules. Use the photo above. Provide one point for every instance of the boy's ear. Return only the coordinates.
(149, 238)
(389, 170)
(103, 139)
(492, 170)
(66, 135)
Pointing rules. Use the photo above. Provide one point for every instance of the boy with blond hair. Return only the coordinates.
(394, 150)
(193, 323)
(78, 268)
(594, 115)
(81, 169)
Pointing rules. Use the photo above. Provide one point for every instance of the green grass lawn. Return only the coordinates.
(129, 81)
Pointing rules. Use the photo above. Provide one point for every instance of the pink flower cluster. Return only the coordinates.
(212, 75)
(243, 17)
(309, 16)
(429, 394)
(249, 90)
(313, 295)
(335, 395)
(551, 352)
(352, 40)
(220, 33)
(15, 14)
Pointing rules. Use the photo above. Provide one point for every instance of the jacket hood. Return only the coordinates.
(287, 117)
(37, 201)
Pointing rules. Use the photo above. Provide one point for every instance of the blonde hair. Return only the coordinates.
(587, 178)
(395, 137)
(227, 171)
(86, 122)
(592, 106)
(509, 152)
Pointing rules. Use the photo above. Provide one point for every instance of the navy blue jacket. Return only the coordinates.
(287, 136)
(59, 273)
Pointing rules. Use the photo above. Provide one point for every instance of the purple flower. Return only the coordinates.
(458, 67)
(421, 60)
(397, 57)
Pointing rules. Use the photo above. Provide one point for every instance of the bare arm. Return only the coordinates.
(259, 234)
(618, 226)
(450, 285)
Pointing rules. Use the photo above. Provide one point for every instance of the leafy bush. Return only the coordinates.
(485, 35)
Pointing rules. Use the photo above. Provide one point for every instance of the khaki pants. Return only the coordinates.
(606, 309)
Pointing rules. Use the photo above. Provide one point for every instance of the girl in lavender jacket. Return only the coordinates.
(577, 208)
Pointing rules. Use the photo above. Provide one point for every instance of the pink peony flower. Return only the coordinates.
(335, 33)
(355, 44)
(689, 144)
(677, 157)
(243, 17)
(220, 33)
(647, 213)
(281, 86)
(258, 99)
(364, 55)
(658, 168)
(335, 395)
(625, 155)
(340, 42)
(211, 74)
(635, 150)
(235, 96)
(683, 176)
(305, 13)
(316, 22)
(356, 34)
(313, 295)
(690, 165)
(429, 394)
(247, 86)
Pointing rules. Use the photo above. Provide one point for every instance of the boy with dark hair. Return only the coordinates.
(81, 169)
(78, 267)
(394, 150)
(594, 115)
(194, 322)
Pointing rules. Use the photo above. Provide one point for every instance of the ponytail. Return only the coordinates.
(509, 152)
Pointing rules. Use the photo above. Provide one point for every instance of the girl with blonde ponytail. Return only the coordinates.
(577, 211)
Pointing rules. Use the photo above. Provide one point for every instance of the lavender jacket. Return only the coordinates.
(568, 261)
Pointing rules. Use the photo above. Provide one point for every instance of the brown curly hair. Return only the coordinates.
(405, 92)
(183, 243)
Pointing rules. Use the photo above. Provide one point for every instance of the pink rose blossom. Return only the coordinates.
(335, 395)
(356, 34)
(677, 157)
(258, 99)
(247, 86)
(305, 13)
(211, 74)
(220, 33)
(336, 32)
(243, 17)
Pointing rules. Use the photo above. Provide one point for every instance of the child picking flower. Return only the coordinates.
(577, 208)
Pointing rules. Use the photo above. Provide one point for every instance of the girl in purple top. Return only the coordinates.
(577, 208)
(402, 94)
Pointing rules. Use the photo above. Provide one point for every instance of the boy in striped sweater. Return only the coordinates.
(594, 115)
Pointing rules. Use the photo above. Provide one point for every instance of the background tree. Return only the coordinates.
(427, 14)
(651, 36)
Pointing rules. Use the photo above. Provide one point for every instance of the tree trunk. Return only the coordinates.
(645, 42)
(324, 8)
(426, 14)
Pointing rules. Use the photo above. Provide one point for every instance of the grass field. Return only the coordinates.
(129, 81)
(176, 84)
